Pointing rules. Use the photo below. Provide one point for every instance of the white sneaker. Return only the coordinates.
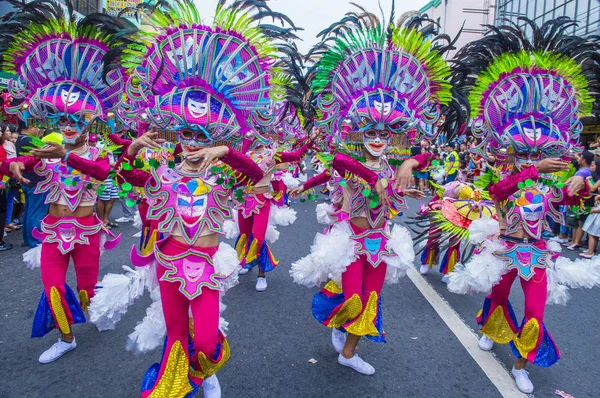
(357, 364)
(261, 284)
(424, 270)
(445, 278)
(244, 271)
(485, 343)
(522, 379)
(338, 339)
(124, 219)
(57, 350)
(211, 387)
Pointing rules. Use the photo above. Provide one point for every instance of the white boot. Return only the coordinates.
(357, 364)
(211, 387)
(424, 270)
(485, 343)
(57, 350)
(522, 379)
(338, 339)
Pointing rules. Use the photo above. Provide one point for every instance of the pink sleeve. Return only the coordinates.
(137, 178)
(509, 185)
(97, 169)
(424, 160)
(317, 180)
(29, 161)
(345, 164)
(295, 156)
(243, 165)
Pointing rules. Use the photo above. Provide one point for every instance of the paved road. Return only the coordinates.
(273, 336)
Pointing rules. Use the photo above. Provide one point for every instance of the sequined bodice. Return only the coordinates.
(194, 205)
(360, 202)
(265, 161)
(530, 207)
(64, 184)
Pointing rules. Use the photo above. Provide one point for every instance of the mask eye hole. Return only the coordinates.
(187, 134)
(384, 135)
(370, 134)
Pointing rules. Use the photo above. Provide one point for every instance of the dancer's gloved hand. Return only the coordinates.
(384, 199)
(148, 140)
(296, 191)
(52, 150)
(207, 155)
(16, 168)
(404, 174)
(551, 166)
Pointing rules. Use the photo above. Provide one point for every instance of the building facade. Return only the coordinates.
(454, 15)
(585, 12)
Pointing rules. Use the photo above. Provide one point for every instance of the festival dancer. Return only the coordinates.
(259, 207)
(69, 95)
(527, 98)
(203, 84)
(384, 84)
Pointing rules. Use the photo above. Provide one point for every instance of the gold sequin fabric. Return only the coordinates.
(365, 324)
(174, 381)
(333, 287)
(240, 248)
(59, 312)
(347, 312)
(84, 300)
(497, 327)
(209, 367)
(252, 252)
(527, 341)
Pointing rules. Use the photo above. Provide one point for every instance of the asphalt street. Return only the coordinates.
(273, 336)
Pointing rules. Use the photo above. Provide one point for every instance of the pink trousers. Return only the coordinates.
(176, 308)
(256, 252)
(531, 339)
(54, 266)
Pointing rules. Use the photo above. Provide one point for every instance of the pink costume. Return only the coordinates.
(190, 206)
(72, 183)
(61, 87)
(202, 87)
(254, 211)
(527, 207)
(526, 107)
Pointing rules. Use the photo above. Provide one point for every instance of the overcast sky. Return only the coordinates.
(316, 15)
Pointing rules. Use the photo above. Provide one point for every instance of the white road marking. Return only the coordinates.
(490, 365)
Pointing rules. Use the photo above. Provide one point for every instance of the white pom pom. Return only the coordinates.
(226, 263)
(303, 177)
(323, 211)
(289, 181)
(401, 244)
(578, 273)
(231, 229)
(283, 216)
(557, 293)
(272, 234)
(482, 228)
(33, 257)
(553, 246)
(480, 273)
(150, 333)
(137, 221)
(115, 294)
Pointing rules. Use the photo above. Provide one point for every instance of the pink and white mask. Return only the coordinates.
(376, 142)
